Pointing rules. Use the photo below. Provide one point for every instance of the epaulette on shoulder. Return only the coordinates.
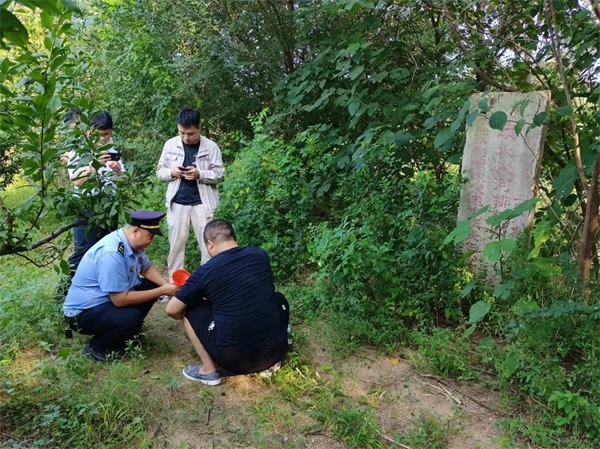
(121, 248)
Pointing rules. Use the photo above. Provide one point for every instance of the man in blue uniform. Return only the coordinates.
(232, 314)
(107, 298)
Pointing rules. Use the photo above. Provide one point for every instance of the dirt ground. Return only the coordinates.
(251, 412)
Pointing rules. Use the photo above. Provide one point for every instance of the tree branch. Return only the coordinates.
(6, 250)
(10, 219)
(595, 8)
(561, 70)
(590, 226)
(459, 40)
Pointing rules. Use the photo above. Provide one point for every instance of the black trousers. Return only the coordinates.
(82, 242)
(112, 326)
(201, 316)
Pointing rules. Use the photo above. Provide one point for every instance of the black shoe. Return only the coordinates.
(93, 354)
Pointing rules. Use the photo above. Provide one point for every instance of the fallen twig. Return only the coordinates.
(156, 431)
(442, 390)
(391, 440)
(209, 410)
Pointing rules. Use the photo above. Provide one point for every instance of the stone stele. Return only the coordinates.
(500, 168)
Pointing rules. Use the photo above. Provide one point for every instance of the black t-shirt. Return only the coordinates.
(188, 194)
(238, 286)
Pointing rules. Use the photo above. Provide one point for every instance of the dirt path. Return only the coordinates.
(292, 411)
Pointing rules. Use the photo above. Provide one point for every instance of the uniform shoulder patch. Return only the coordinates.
(121, 248)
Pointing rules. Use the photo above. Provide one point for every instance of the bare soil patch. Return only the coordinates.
(251, 412)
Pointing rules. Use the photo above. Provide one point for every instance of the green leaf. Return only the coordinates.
(442, 137)
(503, 291)
(323, 189)
(354, 5)
(524, 105)
(524, 306)
(64, 267)
(469, 331)
(48, 43)
(44, 5)
(509, 214)
(12, 29)
(519, 126)
(355, 72)
(478, 311)
(6, 91)
(455, 125)
(565, 182)
(565, 111)
(472, 117)
(403, 138)
(493, 251)
(483, 104)
(546, 267)
(478, 212)
(540, 118)
(409, 118)
(511, 363)
(460, 233)
(321, 101)
(64, 353)
(71, 5)
(47, 19)
(467, 289)
(541, 234)
(353, 107)
(55, 104)
(498, 120)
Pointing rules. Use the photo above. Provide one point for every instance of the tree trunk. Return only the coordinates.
(590, 226)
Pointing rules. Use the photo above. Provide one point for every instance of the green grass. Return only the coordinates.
(50, 396)
(428, 433)
(324, 400)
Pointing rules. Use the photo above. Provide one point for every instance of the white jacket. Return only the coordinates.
(209, 163)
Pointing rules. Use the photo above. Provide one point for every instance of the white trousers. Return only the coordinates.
(179, 218)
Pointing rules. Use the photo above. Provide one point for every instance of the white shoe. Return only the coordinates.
(269, 371)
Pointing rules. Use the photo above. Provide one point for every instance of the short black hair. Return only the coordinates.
(103, 120)
(188, 118)
(72, 115)
(218, 230)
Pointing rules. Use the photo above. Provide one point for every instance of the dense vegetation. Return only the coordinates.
(342, 125)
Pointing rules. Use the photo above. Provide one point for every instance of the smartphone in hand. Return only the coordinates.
(116, 156)
(183, 168)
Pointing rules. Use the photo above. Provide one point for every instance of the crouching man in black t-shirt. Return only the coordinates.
(232, 314)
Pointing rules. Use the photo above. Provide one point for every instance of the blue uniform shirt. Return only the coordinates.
(108, 266)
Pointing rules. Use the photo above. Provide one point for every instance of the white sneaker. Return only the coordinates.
(269, 371)
(162, 299)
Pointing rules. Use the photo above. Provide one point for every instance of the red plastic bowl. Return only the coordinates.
(180, 277)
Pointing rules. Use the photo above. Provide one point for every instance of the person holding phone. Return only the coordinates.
(101, 126)
(192, 165)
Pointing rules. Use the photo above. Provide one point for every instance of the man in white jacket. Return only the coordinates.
(193, 166)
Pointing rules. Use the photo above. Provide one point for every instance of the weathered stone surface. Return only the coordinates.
(501, 167)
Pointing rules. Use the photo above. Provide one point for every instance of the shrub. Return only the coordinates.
(265, 196)
(445, 352)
